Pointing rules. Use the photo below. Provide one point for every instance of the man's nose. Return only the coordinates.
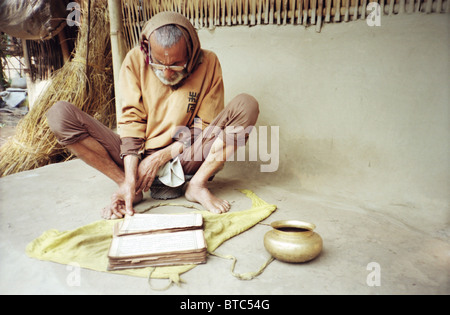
(168, 73)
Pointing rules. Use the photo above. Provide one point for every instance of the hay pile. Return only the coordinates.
(89, 86)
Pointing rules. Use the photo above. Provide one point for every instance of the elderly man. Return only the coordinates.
(172, 109)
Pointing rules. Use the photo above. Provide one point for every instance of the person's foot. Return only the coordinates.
(107, 212)
(202, 195)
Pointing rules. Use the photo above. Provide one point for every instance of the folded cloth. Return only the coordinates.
(171, 174)
(88, 245)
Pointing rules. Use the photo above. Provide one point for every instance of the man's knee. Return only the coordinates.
(247, 106)
(57, 115)
(62, 119)
(248, 102)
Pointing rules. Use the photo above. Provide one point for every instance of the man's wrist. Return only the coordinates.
(131, 162)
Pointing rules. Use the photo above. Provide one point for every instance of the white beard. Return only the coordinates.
(174, 80)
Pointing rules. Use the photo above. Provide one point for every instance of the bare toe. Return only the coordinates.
(202, 195)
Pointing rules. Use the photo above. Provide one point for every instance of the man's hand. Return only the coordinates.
(122, 200)
(147, 170)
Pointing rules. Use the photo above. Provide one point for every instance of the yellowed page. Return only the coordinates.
(142, 222)
(153, 244)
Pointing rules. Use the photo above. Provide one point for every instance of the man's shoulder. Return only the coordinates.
(135, 54)
(209, 55)
(135, 51)
(209, 59)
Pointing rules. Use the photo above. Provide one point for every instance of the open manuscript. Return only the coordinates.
(144, 240)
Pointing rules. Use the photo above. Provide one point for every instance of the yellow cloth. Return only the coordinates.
(88, 245)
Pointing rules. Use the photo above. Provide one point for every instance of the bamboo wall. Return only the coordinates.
(212, 13)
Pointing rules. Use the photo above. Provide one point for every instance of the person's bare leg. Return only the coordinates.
(197, 190)
(94, 154)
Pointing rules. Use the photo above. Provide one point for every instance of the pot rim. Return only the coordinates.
(293, 224)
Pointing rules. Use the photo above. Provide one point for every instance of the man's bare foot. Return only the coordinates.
(107, 212)
(202, 195)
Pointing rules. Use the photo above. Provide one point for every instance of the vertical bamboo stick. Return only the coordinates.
(222, 10)
(419, 6)
(271, 9)
(266, 12)
(300, 11)
(319, 16)
(355, 11)
(216, 12)
(227, 12)
(305, 12)
(211, 14)
(391, 7)
(196, 13)
(239, 12)
(313, 4)
(429, 6)
(439, 6)
(381, 6)
(63, 44)
(401, 8)
(278, 11)
(201, 13)
(246, 12)
(337, 13)
(253, 12)
(347, 9)
(411, 6)
(328, 11)
(258, 19)
(363, 9)
(292, 11)
(115, 17)
(133, 22)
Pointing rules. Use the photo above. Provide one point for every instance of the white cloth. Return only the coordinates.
(171, 174)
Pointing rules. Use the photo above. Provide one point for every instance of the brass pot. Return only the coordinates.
(293, 241)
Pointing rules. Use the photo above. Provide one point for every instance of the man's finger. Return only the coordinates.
(144, 182)
(129, 205)
(115, 210)
(139, 183)
(149, 183)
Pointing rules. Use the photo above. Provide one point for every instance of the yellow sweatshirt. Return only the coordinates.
(152, 110)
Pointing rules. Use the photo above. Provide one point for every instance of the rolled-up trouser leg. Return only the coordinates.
(233, 125)
(70, 125)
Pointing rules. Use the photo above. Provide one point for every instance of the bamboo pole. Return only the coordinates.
(115, 15)
(363, 9)
(319, 16)
(313, 4)
(355, 12)
(64, 48)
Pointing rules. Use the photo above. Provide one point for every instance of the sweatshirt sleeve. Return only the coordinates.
(133, 119)
(213, 103)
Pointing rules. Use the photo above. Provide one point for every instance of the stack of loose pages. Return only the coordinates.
(144, 240)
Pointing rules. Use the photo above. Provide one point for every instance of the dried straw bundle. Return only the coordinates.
(89, 86)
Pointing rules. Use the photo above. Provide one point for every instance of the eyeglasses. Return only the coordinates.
(162, 67)
(159, 66)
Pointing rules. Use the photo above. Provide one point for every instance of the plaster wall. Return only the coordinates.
(363, 112)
